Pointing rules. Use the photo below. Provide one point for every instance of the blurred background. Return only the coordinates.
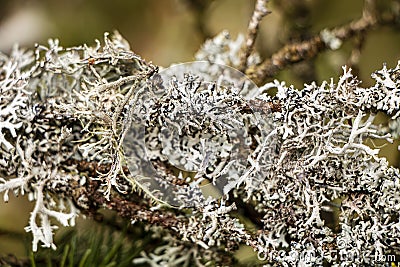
(171, 31)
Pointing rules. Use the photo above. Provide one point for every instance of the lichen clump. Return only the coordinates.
(62, 108)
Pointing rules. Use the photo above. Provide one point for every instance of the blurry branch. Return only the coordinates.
(12, 260)
(355, 55)
(296, 26)
(359, 40)
(326, 39)
(11, 234)
(259, 12)
(199, 8)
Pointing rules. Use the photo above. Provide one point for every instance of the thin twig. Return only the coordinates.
(129, 206)
(310, 48)
(132, 206)
(260, 11)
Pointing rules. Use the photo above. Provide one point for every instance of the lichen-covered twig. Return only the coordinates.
(259, 12)
(68, 118)
(307, 49)
(89, 199)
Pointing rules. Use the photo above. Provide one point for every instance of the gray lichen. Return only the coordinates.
(308, 154)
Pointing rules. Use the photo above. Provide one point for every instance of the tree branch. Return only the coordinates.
(259, 13)
(310, 48)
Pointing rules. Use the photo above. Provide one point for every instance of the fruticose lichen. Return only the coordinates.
(318, 193)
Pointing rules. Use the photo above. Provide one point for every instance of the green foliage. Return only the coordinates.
(101, 245)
